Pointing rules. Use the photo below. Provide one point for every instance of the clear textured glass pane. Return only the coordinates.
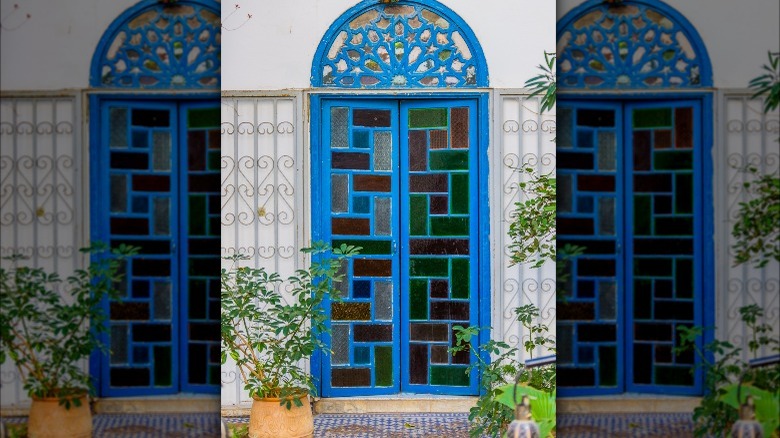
(162, 300)
(607, 158)
(118, 343)
(383, 146)
(161, 150)
(382, 216)
(607, 298)
(162, 214)
(117, 127)
(339, 192)
(607, 216)
(339, 119)
(564, 127)
(118, 193)
(564, 340)
(563, 193)
(340, 344)
(383, 301)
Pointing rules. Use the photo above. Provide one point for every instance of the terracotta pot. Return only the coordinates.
(49, 419)
(268, 418)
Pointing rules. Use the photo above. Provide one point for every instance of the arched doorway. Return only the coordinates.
(634, 189)
(154, 183)
(402, 175)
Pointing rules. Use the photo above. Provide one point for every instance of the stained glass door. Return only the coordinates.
(398, 179)
(157, 187)
(629, 192)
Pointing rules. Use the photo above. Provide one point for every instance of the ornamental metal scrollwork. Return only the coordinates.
(633, 44)
(162, 46)
(401, 45)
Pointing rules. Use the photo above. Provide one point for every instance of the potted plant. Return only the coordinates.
(268, 336)
(48, 327)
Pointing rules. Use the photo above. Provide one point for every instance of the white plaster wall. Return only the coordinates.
(737, 34)
(274, 49)
(53, 49)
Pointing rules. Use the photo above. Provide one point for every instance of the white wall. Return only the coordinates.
(737, 34)
(53, 49)
(275, 48)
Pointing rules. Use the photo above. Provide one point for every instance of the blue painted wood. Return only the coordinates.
(152, 45)
(386, 46)
(639, 44)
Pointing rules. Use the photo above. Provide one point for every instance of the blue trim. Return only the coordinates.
(705, 74)
(411, 77)
(320, 211)
(190, 77)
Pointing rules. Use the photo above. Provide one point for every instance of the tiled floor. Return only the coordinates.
(151, 426)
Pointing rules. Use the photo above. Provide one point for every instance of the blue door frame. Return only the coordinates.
(624, 104)
(177, 106)
(321, 229)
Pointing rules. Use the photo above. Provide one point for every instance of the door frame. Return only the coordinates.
(483, 204)
(95, 161)
(706, 263)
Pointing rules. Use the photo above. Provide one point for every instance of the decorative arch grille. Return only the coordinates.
(629, 45)
(403, 45)
(161, 46)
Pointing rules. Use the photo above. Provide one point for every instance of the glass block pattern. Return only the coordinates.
(663, 243)
(161, 46)
(201, 190)
(588, 179)
(142, 212)
(629, 45)
(363, 156)
(405, 45)
(440, 249)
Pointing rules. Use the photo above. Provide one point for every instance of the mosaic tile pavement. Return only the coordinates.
(672, 425)
(149, 426)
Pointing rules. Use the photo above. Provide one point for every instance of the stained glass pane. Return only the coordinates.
(339, 118)
(118, 123)
(428, 118)
(382, 150)
(118, 193)
(382, 216)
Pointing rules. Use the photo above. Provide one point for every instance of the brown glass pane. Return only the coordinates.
(642, 150)
(418, 150)
(147, 246)
(349, 160)
(372, 183)
(351, 377)
(129, 376)
(596, 183)
(438, 138)
(147, 117)
(154, 267)
(130, 160)
(596, 333)
(133, 226)
(652, 332)
(683, 128)
(439, 246)
(596, 267)
(372, 117)
(350, 311)
(450, 310)
(129, 311)
(351, 226)
(574, 226)
(460, 127)
(196, 150)
(575, 160)
(643, 363)
(439, 354)
(652, 267)
(204, 331)
(596, 118)
(435, 182)
(429, 332)
(373, 332)
(576, 311)
(440, 288)
(439, 204)
(214, 139)
(653, 183)
(372, 268)
(154, 183)
(203, 182)
(662, 139)
(418, 364)
(151, 332)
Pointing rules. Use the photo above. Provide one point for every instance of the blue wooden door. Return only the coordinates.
(629, 192)
(399, 180)
(156, 186)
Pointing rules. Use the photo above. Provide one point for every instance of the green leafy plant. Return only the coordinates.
(265, 335)
(728, 373)
(544, 84)
(490, 416)
(757, 228)
(48, 325)
(768, 84)
(543, 405)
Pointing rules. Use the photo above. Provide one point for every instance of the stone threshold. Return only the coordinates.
(164, 404)
(627, 404)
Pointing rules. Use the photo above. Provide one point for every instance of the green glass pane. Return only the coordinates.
(418, 215)
(203, 118)
(197, 215)
(384, 365)
(653, 118)
(459, 193)
(460, 278)
(673, 160)
(668, 375)
(642, 215)
(428, 267)
(607, 368)
(449, 375)
(449, 160)
(162, 366)
(428, 118)
(215, 374)
(418, 299)
(369, 247)
(215, 161)
(449, 226)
